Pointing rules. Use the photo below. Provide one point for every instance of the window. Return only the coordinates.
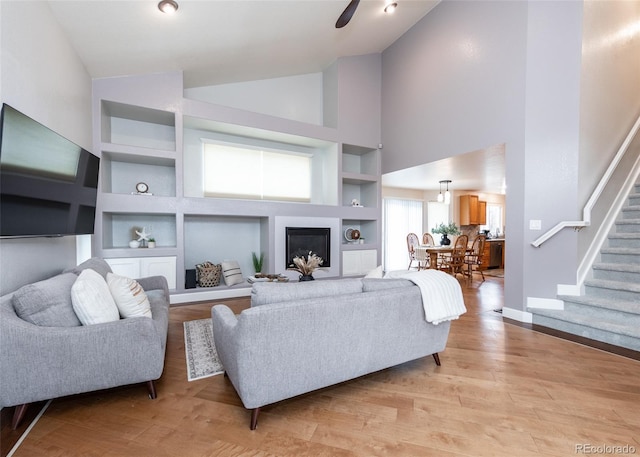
(494, 219)
(437, 213)
(245, 172)
(400, 217)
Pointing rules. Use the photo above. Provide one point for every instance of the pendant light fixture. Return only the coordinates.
(446, 198)
(447, 194)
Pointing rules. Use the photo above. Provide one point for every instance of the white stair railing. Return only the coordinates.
(586, 212)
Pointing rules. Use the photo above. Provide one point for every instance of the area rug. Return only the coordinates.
(496, 273)
(200, 350)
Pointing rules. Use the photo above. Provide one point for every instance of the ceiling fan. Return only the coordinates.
(347, 14)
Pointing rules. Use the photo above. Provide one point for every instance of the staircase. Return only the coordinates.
(609, 311)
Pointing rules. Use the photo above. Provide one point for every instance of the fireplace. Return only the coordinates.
(301, 240)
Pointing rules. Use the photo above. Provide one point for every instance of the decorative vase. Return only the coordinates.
(306, 278)
(445, 241)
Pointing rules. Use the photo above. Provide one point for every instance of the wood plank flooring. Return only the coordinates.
(502, 390)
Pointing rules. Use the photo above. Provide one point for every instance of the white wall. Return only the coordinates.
(554, 43)
(476, 73)
(456, 83)
(298, 98)
(42, 77)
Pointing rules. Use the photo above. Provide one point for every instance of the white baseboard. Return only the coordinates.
(189, 297)
(570, 289)
(545, 303)
(517, 315)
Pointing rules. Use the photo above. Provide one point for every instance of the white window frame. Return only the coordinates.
(259, 162)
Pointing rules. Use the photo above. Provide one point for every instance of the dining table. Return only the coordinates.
(428, 253)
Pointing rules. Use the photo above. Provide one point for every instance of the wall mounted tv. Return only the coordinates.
(48, 185)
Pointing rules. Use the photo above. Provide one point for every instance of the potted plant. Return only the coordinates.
(445, 230)
(151, 243)
(257, 261)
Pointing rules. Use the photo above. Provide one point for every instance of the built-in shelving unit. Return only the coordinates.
(159, 142)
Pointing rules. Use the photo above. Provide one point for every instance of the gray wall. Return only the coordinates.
(42, 77)
(473, 74)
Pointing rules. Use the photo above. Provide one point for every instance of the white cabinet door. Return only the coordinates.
(159, 266)
(125, 267)
(368, 260)
(141, 267)
(356, 263)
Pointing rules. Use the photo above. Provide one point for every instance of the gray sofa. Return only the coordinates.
(41, 362)
(299, 337)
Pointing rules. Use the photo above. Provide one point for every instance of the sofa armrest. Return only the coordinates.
(224, 324)
(154, 282)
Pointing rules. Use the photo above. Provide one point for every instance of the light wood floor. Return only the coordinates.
(502, 390)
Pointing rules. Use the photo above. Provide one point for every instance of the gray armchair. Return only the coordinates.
(40, 362)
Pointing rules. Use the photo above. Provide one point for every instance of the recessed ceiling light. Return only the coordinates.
(390, 7)
(168, 6)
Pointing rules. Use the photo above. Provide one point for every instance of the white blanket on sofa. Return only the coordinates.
(441, 293)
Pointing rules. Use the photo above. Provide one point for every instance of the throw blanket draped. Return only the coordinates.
(441, 293)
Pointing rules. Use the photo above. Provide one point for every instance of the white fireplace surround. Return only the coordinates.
(281, 224)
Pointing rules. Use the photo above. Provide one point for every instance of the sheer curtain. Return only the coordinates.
(400, 217)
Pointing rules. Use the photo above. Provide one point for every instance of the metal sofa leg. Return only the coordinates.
(151, 387)
(436, 357)
(254, 418)
(18, 415)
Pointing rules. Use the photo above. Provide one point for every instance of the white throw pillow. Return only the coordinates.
(375, 273)
(129, 296)
(231, 272)
(92, 300)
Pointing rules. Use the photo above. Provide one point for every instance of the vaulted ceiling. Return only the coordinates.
(218, 41)
(221, 41)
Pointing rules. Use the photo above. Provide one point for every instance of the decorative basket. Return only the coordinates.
(208, 274)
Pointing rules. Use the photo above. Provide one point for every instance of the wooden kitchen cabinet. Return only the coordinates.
(472, 210)
(482, 212)
(486, 255)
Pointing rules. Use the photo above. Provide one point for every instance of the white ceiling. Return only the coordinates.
(482, 171)
(222, 41)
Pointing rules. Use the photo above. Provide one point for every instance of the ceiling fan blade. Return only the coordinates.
(347, 14)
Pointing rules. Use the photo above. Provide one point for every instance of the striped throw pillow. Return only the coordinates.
(231, 272)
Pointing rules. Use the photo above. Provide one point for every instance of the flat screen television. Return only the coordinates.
(48, 184)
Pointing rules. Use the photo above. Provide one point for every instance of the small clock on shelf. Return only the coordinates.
(142, 188)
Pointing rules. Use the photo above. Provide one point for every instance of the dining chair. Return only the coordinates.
(428, 239)
(412, 243)
(454, 263)
(473, 259)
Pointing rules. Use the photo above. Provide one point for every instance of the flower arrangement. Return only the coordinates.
(306, 266)
(446, 229)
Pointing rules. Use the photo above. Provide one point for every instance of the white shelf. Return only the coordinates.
(155, 137)
(120, 228)
(138, 126)
(121, 172)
